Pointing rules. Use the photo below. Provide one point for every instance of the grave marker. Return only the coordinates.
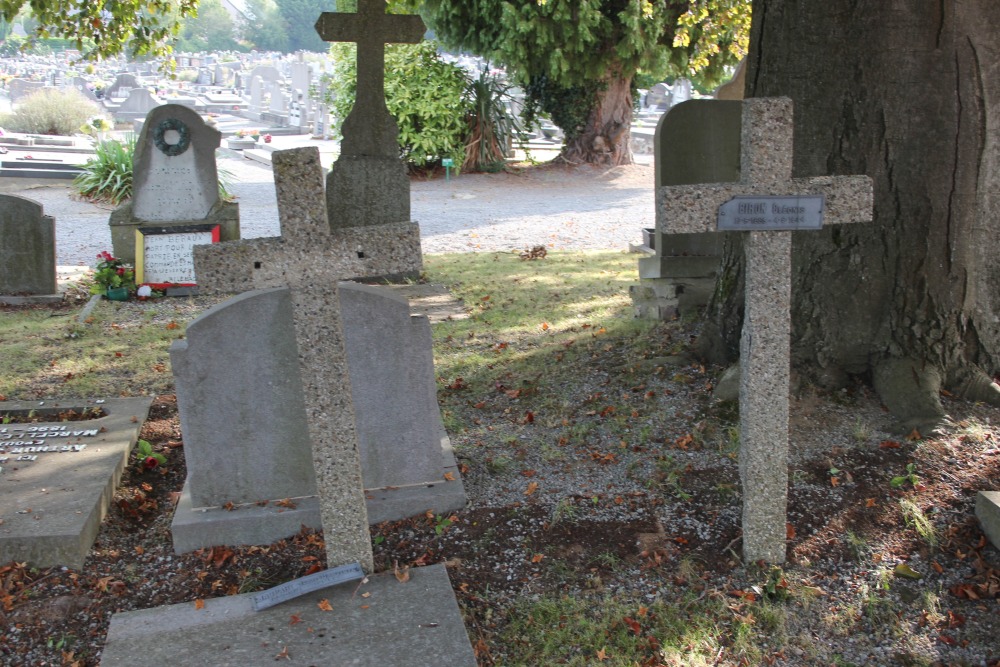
(368, 184)
(27, 252)
(766, 171)
(295, 260)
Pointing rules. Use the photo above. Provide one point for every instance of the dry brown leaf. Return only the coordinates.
(531, 488)
(402, 573)
(199, 604)
(324, 605)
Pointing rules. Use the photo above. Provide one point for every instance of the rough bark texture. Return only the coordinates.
(606, 136)
(907, 92)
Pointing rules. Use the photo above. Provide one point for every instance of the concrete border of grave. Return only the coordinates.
(50, 515)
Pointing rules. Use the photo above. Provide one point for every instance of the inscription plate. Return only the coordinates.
(770, 213)
(163, 255)
(307, 584)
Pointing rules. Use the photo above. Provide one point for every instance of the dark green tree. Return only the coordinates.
(577, 59)
(265, 29)
(300, 20)
(102, 28)
(210, 30)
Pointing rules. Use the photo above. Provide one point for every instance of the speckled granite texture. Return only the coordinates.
(299, 260)
(765, 169)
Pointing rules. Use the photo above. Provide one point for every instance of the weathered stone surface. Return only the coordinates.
(382, 622)
(766, 168)
(27, 247)
(51, 507)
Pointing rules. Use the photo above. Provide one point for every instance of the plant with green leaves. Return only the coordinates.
(146, 457)
(108, 175)
(102, 28)
(425, 94)
(491, 124)
(578, 59)
(51, 111)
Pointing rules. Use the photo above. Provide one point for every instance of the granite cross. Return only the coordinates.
(365, 128)
(302, 260)
(765, 198)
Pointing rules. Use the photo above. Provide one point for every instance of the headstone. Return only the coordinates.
(695, 142)
(124, 82)
(27, 251)
(175, 180)
(138, 104)
(765, 199)
(368, 185)
(19, 88)
(250, 390)
(57, 477)
(680, 92)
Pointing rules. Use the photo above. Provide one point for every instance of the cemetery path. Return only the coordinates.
(579, 208)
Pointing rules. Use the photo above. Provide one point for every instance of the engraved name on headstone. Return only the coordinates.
(164, 254)
(745, 214)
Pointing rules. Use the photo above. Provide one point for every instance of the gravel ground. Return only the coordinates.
(601, 209)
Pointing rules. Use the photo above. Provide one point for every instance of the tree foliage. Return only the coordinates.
(210, 30)
(299, 23)
(103, 28)
(426, 96)
(266, 27)
(568, 52)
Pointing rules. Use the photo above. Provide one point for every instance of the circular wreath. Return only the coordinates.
(182, 143)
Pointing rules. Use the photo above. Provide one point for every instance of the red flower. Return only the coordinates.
(150, 463)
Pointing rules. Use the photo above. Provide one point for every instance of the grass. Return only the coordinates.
(51, 355)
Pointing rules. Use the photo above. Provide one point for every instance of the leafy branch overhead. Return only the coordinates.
(105, 28)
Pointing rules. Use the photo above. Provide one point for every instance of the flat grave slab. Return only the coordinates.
(382, 622)
(57, 478)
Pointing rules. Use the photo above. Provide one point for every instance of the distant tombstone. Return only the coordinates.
(695, 142)
(124, 82)
(205, 77)
(256, 94)
(681, 92)
(175, 180)
(266, 73)
(19, 88)
(83, 87)
(279, 98)
(137, 105)
(27, 251)
(658, 97)
(404, 451)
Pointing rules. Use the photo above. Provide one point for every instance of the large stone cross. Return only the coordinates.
(304, 259)
(765, 198)
(369, 129)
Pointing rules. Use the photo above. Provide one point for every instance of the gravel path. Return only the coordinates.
(563, 209)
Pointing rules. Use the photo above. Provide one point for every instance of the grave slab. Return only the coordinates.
(988, 513)
(417, 623)
(56, 488)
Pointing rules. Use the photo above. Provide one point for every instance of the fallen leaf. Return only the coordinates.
(199, 604)
(537, 558)
(937, 567)
(889, 444)
(140, 550)
(834, 481)
(171, 325)
(531, 488)
(869, 502)
(789, 531)
(283, 654)
(602, 655)
(914, 435)
(295, 619)
(545, 326)
(633, 625)
(402, 573)
(907, 572)
(449, 477)
(324, 605)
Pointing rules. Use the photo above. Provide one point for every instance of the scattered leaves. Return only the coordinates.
(324, 605)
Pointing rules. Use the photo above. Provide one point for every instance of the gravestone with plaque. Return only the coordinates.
(175, 181)
(164, 255)
(56, 476)
(766, 204)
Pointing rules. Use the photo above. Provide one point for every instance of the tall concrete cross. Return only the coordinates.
(304, 259)
(369, 129)
(766, 198)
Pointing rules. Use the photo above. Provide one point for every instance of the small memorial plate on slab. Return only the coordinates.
(771, 213)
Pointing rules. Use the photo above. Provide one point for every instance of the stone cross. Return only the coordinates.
(765, 171)
(299, 260)
(369, 129)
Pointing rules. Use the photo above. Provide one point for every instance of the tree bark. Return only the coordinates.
(606, 136)
(907, 92)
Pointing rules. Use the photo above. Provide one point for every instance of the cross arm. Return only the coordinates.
(348, 27)
(693, 208)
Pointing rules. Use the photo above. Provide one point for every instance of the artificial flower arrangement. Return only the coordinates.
(113, 274)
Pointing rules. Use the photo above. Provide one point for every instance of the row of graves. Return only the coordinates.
(292, 373)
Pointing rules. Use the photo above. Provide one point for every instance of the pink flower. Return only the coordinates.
(150, 463)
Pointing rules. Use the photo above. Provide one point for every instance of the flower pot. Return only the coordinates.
(117, 293)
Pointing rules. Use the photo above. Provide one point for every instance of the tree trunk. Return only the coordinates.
(605, 138)
(907, 92)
